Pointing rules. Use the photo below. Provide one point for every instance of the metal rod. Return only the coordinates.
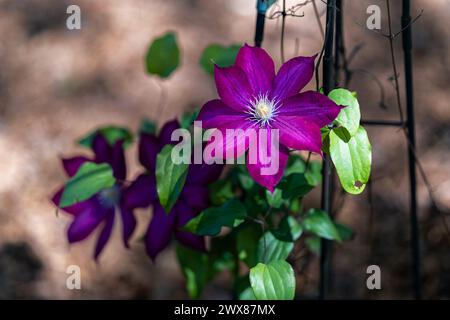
(415, 233)
(338, 41)
(261, 7)
(393, 123)
(327, 170)
(283, 26)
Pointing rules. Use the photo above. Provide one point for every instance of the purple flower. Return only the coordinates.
(101, 208)
(192, 200)
(252, 97)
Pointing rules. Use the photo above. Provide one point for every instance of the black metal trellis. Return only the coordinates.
(415, 234)
(327, 170)
(261, 9)
(330, 77)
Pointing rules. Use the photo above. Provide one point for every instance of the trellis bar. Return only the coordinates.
(326, 201)
(415, 238)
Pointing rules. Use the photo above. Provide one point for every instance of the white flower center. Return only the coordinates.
(262, 110)
(109, 197)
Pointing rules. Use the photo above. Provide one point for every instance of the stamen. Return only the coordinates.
(109, 197)
(262, 109)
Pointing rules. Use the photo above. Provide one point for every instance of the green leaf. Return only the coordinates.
(352, 160)
(314, 173)
(288, 230)
(274, 199)
(112, 134)
(246, 181)
(220, 191)
(246, 244)
(295, 185)
(90, 179)
(349, 116)
(342, 133)
(295, 165)
(247, 294)
(148, 126)
(295, 205)
(273, 281)
(188, 118)
(170, 178)
(163, 56)
(194, 266)
(243, 289)
(210, 221)
(217, 54)
(319, 223)
(271, 249)
(313, 244)
(221, 254)
(326, 141)
(344, 232)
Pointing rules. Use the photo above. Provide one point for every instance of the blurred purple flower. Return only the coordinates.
(101, 207)
(253, 97)
(192, 200)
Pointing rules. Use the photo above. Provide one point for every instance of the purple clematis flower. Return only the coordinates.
(101, 208)
(253, 97)
(192, 200)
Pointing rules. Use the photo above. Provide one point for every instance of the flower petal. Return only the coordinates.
(166, 133)
(85, 222)
(76, 208)
(299, 134)
(148, 150)
(140, 193)
(128, 223)
(258, 67)
(101, 148)
(195, 196)
(203, 174)
(104, 235)
(159, 231)
(216, 114)
(233, 87)
(114, 156)
(293, 76)
(71, 165)
(270, 162)
(231, 142)
(312, 106)
(117, 161)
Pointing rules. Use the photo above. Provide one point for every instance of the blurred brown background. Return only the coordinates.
(56, 85)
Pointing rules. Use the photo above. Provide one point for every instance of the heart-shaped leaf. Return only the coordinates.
(90, 179)
(271, 249)
(349, 116)
(222, 56)
(319, 223)
(273, 281)
(170, 178)
(210, 221)
(352, 160)
(163, 56)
